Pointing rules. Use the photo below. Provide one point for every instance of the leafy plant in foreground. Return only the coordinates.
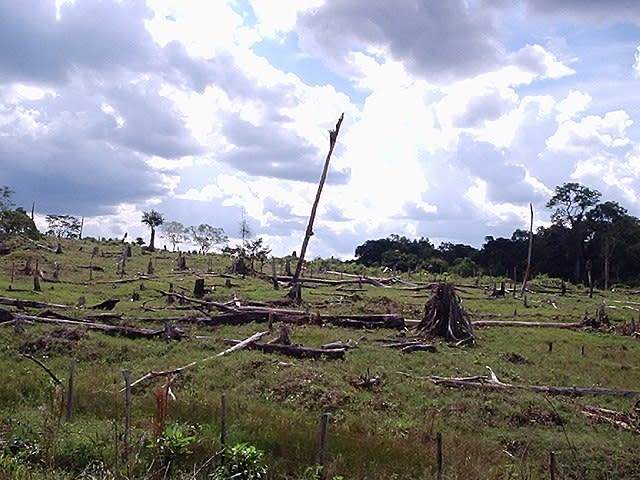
(242, 462)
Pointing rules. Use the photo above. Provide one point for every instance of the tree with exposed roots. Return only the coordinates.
(445, 317)
(152, 219)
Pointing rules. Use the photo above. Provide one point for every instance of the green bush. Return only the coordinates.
(242, 462)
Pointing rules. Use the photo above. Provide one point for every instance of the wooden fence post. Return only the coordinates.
(127, 414)
(322, 445)
(223, 427)
(552, 465)
(438, 456)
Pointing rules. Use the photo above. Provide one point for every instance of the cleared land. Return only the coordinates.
(385, 428)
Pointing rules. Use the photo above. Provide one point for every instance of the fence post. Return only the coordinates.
(223, 425)
(552, 465)
(72, 372)
(438, 456)
(127, 414)
(322, 445)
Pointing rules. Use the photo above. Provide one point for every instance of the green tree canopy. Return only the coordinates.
(152, 219)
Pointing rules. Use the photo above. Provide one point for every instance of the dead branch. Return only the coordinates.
(15, 302)
(238, 346)
(44, 367)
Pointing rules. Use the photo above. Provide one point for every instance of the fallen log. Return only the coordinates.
(491, 382)
(625, 420)
(16, 302)
(197, 301)
(297, 351)
(124, 280)
(421, 347)
(371, 321)
(129, 332)
(516, 323)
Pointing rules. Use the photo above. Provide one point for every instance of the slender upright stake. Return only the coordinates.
(333, 136)
(223, 425)
(322, 445)
(127, 413)
(72, 372)
(81, 227)
(552, 465)
(527, 272)
(273, 274)
(438, 456)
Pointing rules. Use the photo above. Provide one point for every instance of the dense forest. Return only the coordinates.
(587, 237)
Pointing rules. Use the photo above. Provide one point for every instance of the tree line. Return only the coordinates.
(589, 240)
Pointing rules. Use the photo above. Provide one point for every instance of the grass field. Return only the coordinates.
(275, 402)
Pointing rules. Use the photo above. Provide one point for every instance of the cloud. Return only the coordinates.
(435, 40)
(592, 10)
(100, 36)
(273, 150)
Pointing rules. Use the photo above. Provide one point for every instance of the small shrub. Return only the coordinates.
(242, 462)
(173, 445)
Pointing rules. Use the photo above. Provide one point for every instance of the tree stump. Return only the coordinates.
(287, 267)
(198, 288)
(150, 268)
(444, 316)
(182, 262)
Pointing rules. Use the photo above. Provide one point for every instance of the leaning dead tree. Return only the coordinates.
(527, 272)
(445, 317)
(296, 291)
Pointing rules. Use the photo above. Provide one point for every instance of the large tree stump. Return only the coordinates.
(198, 288)
(445, 317)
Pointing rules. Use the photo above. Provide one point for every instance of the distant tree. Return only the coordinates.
(571, 202)
(465, 267)
(139, 241)
(17, 222)
(207, 236)
(257, 251)
(64, 226)
(5, 198)
(245, 232)
(175, 232)
(603, 223)
(152, 219)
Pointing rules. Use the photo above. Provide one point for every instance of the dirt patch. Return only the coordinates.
(309, 390)
(513, 357)
(58, 340)
(535, 416)
(383, 305)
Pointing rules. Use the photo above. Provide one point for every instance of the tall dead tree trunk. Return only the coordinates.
(527, 272)
(296, 291)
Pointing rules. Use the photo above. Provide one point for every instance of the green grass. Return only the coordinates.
(275, 402)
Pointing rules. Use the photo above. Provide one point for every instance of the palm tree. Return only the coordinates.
(153, 219)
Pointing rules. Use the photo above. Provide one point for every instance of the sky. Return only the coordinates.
(457, 114)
